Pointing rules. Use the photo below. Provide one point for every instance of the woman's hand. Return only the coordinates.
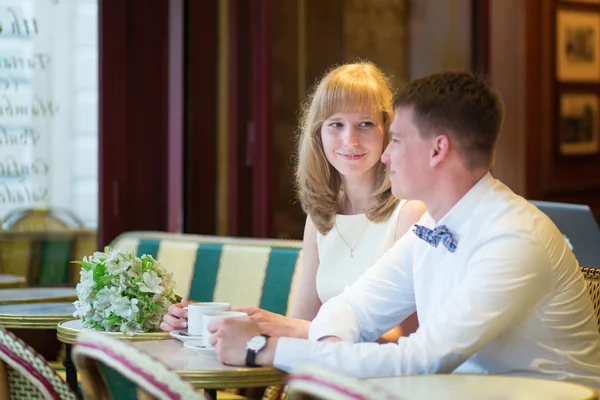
(277, 325)
(176, 318)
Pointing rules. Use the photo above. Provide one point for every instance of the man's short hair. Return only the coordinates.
(459, 104)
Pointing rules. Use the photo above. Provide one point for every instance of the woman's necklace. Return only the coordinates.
(344, 240)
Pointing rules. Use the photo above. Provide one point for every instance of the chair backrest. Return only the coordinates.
(312, 382)
(44, 257)
(41, 219)
(592, 279)
(24, 374)
(244, 272)
(111, 368)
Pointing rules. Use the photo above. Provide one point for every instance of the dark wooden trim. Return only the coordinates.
(201, 52)
(481, 36)
(240, 106)
(176, 107)
(233, 117)
(262, 124)
(112, 78)
(537, 95)
(134, 116)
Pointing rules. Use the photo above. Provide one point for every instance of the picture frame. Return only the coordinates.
(577, 46)
(579, 128)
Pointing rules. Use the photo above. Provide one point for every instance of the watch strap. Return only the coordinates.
(251, 354)
(250, 358)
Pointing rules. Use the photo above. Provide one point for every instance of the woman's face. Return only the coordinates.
(353, 142)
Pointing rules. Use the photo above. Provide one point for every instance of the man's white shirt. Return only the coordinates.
(509, 300)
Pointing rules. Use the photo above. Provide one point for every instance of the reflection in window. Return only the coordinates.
(49, 106)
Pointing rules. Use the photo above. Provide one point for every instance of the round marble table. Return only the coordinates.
(67, 332)
(11, 281)
(36, 295)
(459, 386)
(35, 315)
(205, 371)
(36, 324)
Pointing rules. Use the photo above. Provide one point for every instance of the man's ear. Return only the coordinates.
(439, 149)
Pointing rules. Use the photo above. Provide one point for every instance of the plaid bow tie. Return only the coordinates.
(435, 236)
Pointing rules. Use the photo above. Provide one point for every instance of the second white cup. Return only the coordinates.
(196, 312)
(207, 318)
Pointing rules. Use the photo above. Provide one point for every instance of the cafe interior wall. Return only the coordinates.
(406, 38)
(522, 65)
(510, 40)
(513, 42)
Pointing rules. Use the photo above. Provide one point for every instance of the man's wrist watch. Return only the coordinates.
(255, 344)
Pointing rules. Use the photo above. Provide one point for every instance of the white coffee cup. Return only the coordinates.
(196, 312)
(207, 318)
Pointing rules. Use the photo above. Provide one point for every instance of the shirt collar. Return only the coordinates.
(456, 217)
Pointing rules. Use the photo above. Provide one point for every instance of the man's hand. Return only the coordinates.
(176, 318)
(230, 337)
(277, 325)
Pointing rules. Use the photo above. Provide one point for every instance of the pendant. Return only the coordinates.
(352, 252)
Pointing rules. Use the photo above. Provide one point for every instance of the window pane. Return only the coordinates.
(49, 106)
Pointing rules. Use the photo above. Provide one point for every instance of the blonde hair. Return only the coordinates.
(350, 87)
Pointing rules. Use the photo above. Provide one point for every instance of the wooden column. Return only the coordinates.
(261, 131)
(201, 117)
(138, 45)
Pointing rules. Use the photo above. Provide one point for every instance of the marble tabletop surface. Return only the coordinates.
(63, 308)
(11, 278)
(35, 315)
(203, 370)
(11, 281)
(33, 295)
(459, 386)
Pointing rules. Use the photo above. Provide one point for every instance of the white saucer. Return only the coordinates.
(184, 336)
(199, 346)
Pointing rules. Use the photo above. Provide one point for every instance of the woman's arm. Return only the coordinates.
(307, 303)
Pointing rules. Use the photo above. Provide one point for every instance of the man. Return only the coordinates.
(496, 287)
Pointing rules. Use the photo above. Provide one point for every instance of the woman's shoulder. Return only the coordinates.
(409, 214)
(411, 208)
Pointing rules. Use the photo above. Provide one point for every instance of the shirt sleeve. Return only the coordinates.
(506, 277)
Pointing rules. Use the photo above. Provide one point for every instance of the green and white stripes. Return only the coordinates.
(243, 272)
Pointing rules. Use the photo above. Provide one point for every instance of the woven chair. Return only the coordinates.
(113, 369)
(41, 219)
(39, 244)
(313, 382)
(592, 279)
(24, 374)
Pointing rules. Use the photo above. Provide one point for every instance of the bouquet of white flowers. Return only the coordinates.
(120, 292)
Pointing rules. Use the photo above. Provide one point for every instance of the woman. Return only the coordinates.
(352, 216)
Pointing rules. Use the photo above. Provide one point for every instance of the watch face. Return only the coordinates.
(257, 342)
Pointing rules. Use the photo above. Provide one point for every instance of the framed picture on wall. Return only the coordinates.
(579, 129)
(577, 46)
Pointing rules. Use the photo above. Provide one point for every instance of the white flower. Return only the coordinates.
(81, 309)
(151, 283)
(125, 307)
(84, 290)
(101, 304)
(115, 268)
(130, 328)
